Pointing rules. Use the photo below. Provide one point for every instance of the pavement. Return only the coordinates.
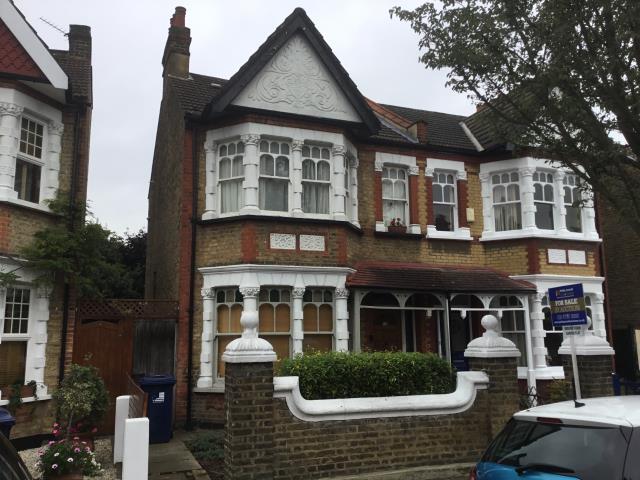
(173, 461)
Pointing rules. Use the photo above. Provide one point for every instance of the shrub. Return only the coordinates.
(81, 396)
(207, 445)
(560, 391)
(67, 456)
(376, 374)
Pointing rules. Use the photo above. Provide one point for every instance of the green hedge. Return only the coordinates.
(376, 374)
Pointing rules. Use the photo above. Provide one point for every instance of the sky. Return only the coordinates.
(381, 55)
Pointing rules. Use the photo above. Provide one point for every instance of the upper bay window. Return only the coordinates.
(14, 336)
(274, 176)
(572, 202)
(316, 180)
(444, 201)
(507, 210)
(544, 199)
(231, 177)
(28, 163)
(395, 199)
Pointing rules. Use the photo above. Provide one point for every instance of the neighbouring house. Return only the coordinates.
(45, 123)
(348, 224)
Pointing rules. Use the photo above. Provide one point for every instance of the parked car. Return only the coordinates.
(597, 441)
(11, 465)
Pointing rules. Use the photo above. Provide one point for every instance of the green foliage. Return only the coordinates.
(82, 396)
(376, 374)
(207, 445)
(100, 263)
(559, 391)
(558, 75)
(67, 456)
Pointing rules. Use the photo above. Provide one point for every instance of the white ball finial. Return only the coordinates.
(249, 320)
(489, 323)
(491, 344)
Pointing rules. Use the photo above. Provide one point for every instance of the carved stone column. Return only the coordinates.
(211, 181)
(487, 203)
(298, 316)
(52, 172)
(296, 177)
(414, 222)
(597, 313)
(526, 198)
(36, 360)
(342, 320)
(537, 331)
(205, 380)
(561, 214)
(377, 194)
(589, 220)
(9, 135)
(251, 162)
(338, 153)
(353, 187)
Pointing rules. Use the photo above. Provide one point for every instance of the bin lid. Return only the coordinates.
(157, 380)
(6, 417)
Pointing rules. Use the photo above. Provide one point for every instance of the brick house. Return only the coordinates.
(346, 223)
(45, 123)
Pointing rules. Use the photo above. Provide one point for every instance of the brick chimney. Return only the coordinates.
(419, 130)
(80, 42)
(175, 59)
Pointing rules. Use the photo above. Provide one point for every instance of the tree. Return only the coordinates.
(559, 76)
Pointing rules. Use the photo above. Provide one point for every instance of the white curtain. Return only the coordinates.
(315, 197)
(507, 217)
(231, 196)
(274, 194)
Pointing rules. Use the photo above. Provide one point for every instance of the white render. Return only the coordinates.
(251, 134)
(460, 400)
(135, 461)
(525, 167)
(296, 81)
(491, 344)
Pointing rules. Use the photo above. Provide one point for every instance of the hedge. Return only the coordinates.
(375, 374)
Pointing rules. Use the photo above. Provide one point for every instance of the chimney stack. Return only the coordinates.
(80, 42)
(175, 59)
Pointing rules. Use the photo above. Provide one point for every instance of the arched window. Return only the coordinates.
(394, 195)
(444, 201)
(543, 198)
(316, 179)
(505, 301)
(231, 175)
(274, 176)
(275, 319)
(466, 301)
(424, 300)
(379, 299)
(317, 322)
(573, 202)
(228, 311)
(506, 201)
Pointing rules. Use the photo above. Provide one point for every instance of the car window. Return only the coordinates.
(593, 453)
(632, 471)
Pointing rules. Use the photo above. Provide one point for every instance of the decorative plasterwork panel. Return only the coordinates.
(282, 241)
(314, 243)
(556, 255)
(577, 257)
(296, 81)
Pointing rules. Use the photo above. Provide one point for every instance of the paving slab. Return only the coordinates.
(173, 461)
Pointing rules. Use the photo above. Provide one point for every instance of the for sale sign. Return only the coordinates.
(567, 305)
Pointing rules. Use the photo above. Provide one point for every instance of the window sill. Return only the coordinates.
(25, 204)
(406, 235)
(28, 399)
(217, 387)
(547, 373)
(536, 233)
(462, 233)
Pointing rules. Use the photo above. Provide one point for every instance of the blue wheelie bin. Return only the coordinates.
(160, 406)
(6, 422)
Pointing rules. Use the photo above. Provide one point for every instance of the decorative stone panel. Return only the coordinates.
(577, 257)
(282, 241)
(556, 255)
(314, 243)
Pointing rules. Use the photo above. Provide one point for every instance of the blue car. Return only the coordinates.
(599, 440)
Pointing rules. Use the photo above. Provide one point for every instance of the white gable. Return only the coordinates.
(296, 81)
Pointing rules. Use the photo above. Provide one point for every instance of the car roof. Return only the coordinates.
(623, 411)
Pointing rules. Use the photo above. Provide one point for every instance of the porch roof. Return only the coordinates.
(435, 278)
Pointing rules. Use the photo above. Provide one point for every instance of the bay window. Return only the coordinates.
(28, 168)
(317, 320)
(274, 176)
(544, 199)
(394, 195)
(507, 210)
(274, 308)
(231, 177)
(14, 336)
(444, 201)
(316, 180)
(572, 202)
(228, 312)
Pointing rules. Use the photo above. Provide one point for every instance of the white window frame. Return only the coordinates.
(328, 182)
(232, 178)
(275, 177)
(572, 183)
(433, 167)
(388, 168)
(437, 176)
(526, 167)
(336, 142)
(317, 304)
(541, 178)
(504, 180)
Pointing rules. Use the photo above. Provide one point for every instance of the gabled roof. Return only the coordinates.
(296, 23)
(31, 42)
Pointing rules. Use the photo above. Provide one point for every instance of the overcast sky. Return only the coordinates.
(380, 54)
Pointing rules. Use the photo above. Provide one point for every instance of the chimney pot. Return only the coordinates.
(179, 17)
(80, 42)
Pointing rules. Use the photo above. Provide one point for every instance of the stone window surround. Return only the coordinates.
(36, 336)
(13, 106)
(460, 175)
(525, 167)
(251, 133)
(394, 160)
(249, 278)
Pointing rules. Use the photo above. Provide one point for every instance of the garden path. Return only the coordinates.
(173, 461)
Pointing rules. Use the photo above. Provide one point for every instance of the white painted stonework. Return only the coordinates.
(577, 257)
(296, 81)
(282, 241)
(312, 243)
(557, 255)
(460, 400)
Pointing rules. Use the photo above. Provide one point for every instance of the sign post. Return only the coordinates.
(568, 311)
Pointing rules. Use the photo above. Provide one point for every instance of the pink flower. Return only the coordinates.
(77, 450)
(76, 438)
(94, 429)
(56, 424)
(51, 442)
(87, 449)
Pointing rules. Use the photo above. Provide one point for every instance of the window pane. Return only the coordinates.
(507, 217)
(324, 171)
(513, 193)
(387, 189)
(264, 146)
(448, 194)
(310, 318)
(548, 193)
(232, 149)
(282, 167)
(325, 154)
(317, 343)
(238, 167)
(234, 319)
(574, 219)
(315, 152)
(223, 319)
(225, 168)
(266, 165)
(280, 344)
(13, 356)
(400, 191)
(274, 195)
(537, 192)
(308, 170)
(231, 196)
(27, 181)
(284, 148)
(274, 148)
(544, 215)
(437, 193)
(306, 152)
(222, 345)
(443, 217)
(499, 194)
(283, 318)
(266, 313)
(315, 198)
